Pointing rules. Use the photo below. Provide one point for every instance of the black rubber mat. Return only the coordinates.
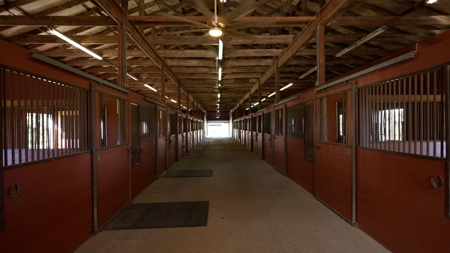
(187, 173)
(161, 215)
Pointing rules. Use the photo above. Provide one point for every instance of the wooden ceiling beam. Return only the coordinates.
(58, 21)
(382, 20)
(159, 40)
(330, 9)
(168, 21)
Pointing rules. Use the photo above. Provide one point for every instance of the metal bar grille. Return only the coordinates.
(43, 118)
(404, 114)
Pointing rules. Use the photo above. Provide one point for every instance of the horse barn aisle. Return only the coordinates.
(252, 208)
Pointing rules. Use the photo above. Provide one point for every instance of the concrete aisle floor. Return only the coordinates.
(253, 208)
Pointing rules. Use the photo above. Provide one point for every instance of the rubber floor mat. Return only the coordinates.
(187, 173)
(161, 215)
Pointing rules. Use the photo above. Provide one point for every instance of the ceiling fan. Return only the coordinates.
(220, 27)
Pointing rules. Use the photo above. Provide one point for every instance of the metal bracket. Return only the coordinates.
(16, 192)
(433, 184)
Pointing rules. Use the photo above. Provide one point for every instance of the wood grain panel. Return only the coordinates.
(268, 151)
(113, 182)
(333, 185)
(298, 169)
(144, 174)
(254, 144)
(53, 212)
(396, 203)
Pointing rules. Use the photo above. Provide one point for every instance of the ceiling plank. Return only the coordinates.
(331, 8)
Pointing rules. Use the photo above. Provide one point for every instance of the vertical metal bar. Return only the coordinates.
(39, 118)
(384, 105)
(403, 115)
(376, 115)
(435, 119)
(369, 123)
(64, 117)
(416, 123)
(30, 129)
(11, 119)
(71, 119)
(392, 114)
(389, 118)
(93, 125)
(446, 123)
(54, 117)
(353, 129)
(47, 114)
(26, 137)
(410, 116)
(428, 111)
(3, 147)
(19, 119)
(421, 116)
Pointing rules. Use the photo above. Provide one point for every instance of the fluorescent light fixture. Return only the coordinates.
(307, 72)
(150, 87)
(223, 1)
(132, 77)
(428, 1)
(287, 86)
(247, 109)
(215, 31)
(219, 74)
(220, 50)
(219, 84)
(263, 99)
(75, 44)
(166, 97)
(173, 101)
(218, 95)
(271, 94)
(362, 41)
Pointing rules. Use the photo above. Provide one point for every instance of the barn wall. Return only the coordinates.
(53, 212)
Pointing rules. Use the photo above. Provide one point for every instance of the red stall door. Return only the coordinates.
(267, 137)
(259, 135)
(334, 156)
(111, 156)
(161, 161)
(279, 140)
(172, 141)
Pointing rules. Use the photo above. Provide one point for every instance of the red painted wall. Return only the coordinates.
(396, 204)
(53, 212)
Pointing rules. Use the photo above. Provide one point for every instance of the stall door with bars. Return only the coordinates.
(111, 156)
(279, 141)
(268, 138)
(161, 160)
(260, 135)
(334, 158)
(172, 139)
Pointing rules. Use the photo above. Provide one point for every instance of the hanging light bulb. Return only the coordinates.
(215, 31)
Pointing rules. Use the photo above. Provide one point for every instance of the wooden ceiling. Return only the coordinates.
(261, 38)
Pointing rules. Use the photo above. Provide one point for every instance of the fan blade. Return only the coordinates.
(201, 6)
(184, 20)
(243, 9)
(259, 23)
(242, 35)
(185, 31)
(226, 42)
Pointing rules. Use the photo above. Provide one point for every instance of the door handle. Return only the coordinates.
(433, 184)
(16, 191)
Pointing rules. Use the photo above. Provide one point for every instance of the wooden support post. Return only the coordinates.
(277, 84)
(320, 58)
(122, 56)
(259, 97)
(249, 102)
(304, 7)
(179, 98)
(163, 84)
